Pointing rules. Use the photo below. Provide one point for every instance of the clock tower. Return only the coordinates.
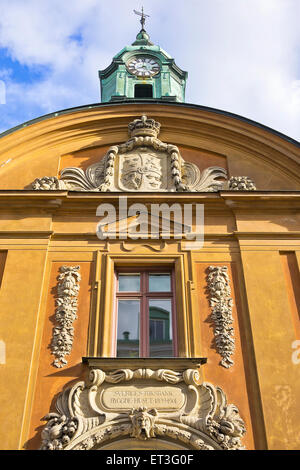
(142, 71)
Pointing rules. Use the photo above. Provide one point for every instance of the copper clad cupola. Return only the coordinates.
(142, 71)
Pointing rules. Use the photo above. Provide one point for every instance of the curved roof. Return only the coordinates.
(205, 136)
(153, 101)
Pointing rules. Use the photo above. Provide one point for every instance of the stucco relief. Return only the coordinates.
(241, 183)
(65, 314)
(203, 420)
(143, 163)
(221, 303)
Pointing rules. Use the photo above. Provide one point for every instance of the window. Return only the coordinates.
(143, 91)
(145, 307)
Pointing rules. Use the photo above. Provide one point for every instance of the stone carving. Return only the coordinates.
(224, 424)
(48, 183)
(143, 163)
(58, 432)
(203, 420)
(137, 169)
(228, 427)
(65, 314)
(143, 423)
(97, 376)
(241, 183)
(221, 304)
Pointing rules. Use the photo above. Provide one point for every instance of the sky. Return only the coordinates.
(242, 56)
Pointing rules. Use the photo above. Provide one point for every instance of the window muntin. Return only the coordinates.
(147, 309)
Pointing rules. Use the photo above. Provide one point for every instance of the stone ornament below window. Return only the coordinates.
(143, 404)
(143, 164)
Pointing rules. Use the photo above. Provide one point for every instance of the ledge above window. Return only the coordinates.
(174, 363)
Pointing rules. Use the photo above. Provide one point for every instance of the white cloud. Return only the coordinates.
(242, 56)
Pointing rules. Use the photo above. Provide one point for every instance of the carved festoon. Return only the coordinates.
(221, 304)
(113, 405)
(143, 163)
(65, 314)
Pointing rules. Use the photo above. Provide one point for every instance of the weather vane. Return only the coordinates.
(143, 17)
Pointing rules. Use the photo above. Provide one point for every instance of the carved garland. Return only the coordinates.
(210, 423)
(65, 314)
(221, 303)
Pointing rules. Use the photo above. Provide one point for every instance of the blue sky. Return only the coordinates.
(243, 56)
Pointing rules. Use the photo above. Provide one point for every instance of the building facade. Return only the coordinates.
(128, 319)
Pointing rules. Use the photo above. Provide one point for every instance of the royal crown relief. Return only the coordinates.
(144, 164)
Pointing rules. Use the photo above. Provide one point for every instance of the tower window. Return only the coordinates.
(143, 91)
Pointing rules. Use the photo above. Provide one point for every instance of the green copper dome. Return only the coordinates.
(142, 39)
(142, 71)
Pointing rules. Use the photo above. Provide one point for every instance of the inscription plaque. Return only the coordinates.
(161, 398)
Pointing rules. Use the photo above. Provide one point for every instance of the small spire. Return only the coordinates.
(143, 38)
(143, 17)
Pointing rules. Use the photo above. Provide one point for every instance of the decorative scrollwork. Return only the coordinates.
(189, 376)
(203, 419)
(143, 163)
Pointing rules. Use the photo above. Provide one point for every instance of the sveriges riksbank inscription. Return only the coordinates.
(131, 397)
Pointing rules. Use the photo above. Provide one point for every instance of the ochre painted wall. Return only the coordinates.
(257, 235)
(78, 137)
(50, 380)
(234, 380)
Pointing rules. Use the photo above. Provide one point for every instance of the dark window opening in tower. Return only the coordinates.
(143, 91)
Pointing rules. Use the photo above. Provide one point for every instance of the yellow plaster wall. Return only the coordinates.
(78, 137)
(50, 380)
(20, 296)
(273, 335)
(247, 232)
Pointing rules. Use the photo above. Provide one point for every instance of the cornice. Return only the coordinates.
(86, 202)
(31, 234)
(106, 363)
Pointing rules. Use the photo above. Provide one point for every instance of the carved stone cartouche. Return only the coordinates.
(85, 420)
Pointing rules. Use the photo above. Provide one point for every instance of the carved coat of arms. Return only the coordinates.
(142, 171)
(144, 163)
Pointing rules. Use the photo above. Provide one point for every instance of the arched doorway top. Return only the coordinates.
(147, 406)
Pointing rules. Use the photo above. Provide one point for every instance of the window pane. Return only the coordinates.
(128, 328)
(129, 282)
(160, 326)
(159, 282)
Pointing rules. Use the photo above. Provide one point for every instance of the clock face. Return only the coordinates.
(142, 66)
